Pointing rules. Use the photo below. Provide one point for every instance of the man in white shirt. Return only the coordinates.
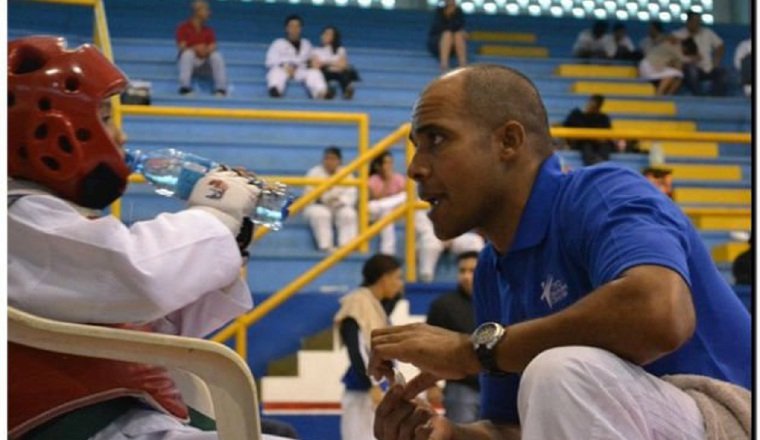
(743, 64)
(706, 64)
(336, 205)
(619, 45)
(591, 43)
(288, 58)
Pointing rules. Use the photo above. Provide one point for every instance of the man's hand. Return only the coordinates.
(435, 396)
(201, 50)
(398, 418)
(434, 350)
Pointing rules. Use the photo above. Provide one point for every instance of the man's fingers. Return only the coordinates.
(418, 384)
(419, 417)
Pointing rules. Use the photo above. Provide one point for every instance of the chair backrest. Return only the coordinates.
(228, 377)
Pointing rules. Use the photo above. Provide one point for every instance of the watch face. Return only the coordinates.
(485, 333)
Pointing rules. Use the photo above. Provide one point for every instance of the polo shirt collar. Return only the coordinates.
(534, 220)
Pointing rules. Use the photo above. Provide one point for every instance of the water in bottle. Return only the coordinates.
(174, 172)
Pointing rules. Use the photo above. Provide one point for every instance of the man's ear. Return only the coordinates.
(511, 138)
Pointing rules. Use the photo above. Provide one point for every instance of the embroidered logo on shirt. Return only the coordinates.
(553, 291)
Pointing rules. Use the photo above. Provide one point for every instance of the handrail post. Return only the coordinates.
(364, 178)
(411, 200)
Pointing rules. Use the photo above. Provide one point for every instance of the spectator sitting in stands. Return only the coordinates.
(361, 311)
(337, 205)
(430, 248)
(619, 44)
(705, 65)
(332, 59)
(198, 51)
(447, 35)
(743, 63)
(592, 44)
(386, 192)
(592, 150)
(288, 58)
(655, 35)
(454, 311)
(663, 66)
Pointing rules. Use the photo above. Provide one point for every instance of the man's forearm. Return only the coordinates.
(638, 317)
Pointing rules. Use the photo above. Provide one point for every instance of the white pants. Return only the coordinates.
(357, 416)
(145, 424)
(587, 393)
(314, 80)
(430, 248)
(379, 208)
(321, 219)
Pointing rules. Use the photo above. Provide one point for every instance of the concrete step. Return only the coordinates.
(720, 218)
(613, 88)
(596, 71)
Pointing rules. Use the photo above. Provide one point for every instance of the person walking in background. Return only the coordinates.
(447, 35)
(361, 312)
(453, 311)
(288, 59)
(332, 59)
(336, 205)
(198, 52)
(705, 64)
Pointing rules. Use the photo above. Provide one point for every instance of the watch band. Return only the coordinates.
(488, 360)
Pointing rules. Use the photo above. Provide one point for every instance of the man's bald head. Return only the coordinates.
(492, 95)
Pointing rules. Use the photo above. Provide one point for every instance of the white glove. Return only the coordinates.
(227, 195)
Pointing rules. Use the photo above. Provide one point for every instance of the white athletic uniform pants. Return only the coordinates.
(321, 219)
(357, 416)
(572, 393)
(430, 248)
(314, 80)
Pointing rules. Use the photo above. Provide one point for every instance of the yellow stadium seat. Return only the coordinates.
(613, 88)
(705, 172)
(596, 71)
(720, 218)
(638, 107)
(503, 37)
(727, 252)
(685, 149)
(654, 125)
(719, 196)
(514, 51)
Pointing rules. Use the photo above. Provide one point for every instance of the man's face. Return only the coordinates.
(693, 23)
(456, 162)
(330, 162)
(392, 283)
(466, 273)
(293, 30)
(202, 11)
(593, 106)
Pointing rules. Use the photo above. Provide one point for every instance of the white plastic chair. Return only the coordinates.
(229, 380)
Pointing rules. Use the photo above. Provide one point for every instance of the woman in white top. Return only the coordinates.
(331, 58)
(663, 66)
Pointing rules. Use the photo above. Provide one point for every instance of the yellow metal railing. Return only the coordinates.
(239, 327)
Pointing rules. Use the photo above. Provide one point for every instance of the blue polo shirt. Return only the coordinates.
(581, 230)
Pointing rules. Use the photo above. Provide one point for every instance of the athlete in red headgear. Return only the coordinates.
(178, 273)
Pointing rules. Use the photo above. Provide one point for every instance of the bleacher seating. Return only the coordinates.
(712, 180)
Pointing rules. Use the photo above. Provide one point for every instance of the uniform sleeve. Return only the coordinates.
(623, 221)
(273, 57)
(349, 332)
(67, 267)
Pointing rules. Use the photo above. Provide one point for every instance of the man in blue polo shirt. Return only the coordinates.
(593, 286)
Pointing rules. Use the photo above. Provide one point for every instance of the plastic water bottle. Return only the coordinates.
(173, 173)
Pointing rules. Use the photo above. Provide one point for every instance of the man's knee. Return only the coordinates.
(562, 368)
(346, 215)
